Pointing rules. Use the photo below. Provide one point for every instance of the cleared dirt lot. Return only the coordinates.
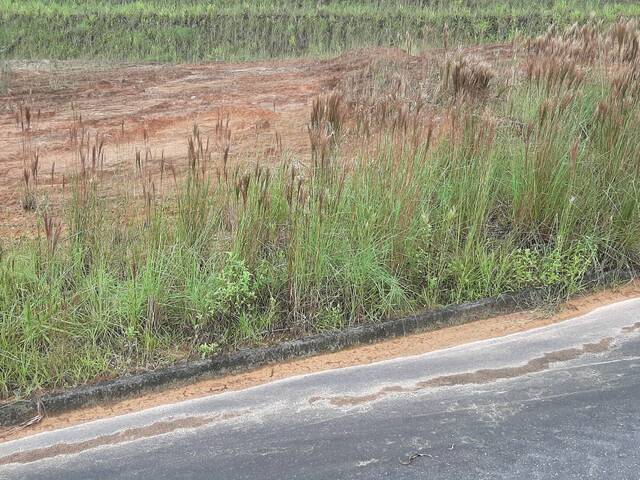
(153, 107)
(136, 107)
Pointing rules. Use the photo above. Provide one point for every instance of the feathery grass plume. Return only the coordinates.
(52, 231)
(194, 205)
(27, 123)
(325, 128)
(553, 74)
(465, 77)
(624, 36)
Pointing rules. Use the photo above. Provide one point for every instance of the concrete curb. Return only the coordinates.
(22, 411)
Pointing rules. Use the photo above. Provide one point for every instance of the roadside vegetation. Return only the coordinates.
(176, 30)
(432, 181)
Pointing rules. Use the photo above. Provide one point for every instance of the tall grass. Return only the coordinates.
(486, 188)
(214, 30)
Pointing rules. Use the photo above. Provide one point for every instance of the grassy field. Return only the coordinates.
(467, 182)
(172, 30)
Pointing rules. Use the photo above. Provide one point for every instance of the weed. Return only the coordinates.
(466, 77)
(5, 76)
(208, 349)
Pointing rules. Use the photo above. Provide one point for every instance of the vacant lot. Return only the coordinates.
(152, 109)
(153, 213)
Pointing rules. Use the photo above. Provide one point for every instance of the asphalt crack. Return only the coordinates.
(152, 430)
(478, 377)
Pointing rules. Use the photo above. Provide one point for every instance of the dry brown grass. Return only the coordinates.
(466, 77)
(325, 127)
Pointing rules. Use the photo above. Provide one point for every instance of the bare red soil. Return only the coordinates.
(154, 107)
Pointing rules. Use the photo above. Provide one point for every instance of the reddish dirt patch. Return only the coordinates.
(152, 106)
(155, 106)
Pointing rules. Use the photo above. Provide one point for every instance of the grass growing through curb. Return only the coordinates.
(453, 196)
(172, 30)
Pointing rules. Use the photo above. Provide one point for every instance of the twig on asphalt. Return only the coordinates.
(413, 456)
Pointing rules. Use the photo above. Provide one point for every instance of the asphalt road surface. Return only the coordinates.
(557, 402)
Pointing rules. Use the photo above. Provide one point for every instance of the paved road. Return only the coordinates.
(557, 402)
